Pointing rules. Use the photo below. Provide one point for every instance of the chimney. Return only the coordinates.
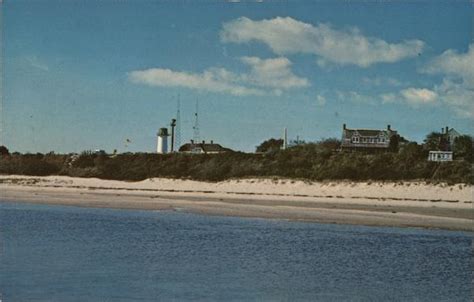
(192, 141)
(442, 130)
(203, 142)
(212, 142)
(447, 129)
(343, 126)
(389, 128)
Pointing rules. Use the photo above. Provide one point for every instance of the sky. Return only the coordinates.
(90, 74)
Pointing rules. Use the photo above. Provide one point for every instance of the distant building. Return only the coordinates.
(296, 142)
(100, 151)
(450, 135)
(440, 156)
(366, 139)
(443, 141)
(162, 143)
(203, 148)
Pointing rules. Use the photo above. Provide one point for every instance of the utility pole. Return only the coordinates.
(196, 135)
(173, 125)
(177, 140)
(2, 121)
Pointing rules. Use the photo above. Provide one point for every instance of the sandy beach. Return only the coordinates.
(399, 204)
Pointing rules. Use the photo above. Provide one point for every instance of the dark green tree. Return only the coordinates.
(4, 151)
(462, 147)
(270, 145)
(394, 143)
(436, 141)
(330, 143)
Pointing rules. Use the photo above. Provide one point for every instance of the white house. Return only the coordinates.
(440, 156)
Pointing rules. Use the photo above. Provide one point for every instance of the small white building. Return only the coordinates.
(440, 156)
(162, 145)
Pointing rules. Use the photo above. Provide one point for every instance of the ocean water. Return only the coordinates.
(56, 253)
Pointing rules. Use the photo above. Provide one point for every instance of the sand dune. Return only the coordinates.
(415, 204)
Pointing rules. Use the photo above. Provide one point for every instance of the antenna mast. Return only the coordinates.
(196, 124)
(2, 121)
(177, 139)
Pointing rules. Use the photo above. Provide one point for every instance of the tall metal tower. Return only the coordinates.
(177, 137)
(196, 135)
(2, 120)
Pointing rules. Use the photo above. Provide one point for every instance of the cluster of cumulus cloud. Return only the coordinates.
(287, 36)
(265, 76)
(455, 90)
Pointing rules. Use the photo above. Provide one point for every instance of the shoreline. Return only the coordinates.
(407, 204)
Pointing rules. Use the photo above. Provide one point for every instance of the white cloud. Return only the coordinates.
(320, 100)
(417, 96)
(290, 36)
(454, 64)
(266, 76)
(381, 81)
(388, 98)
(458, 97)
(411, 96)
(356, 97)
(37, 63)
(414, 97)
(457, 88)
(456, 91)
(274, 73)
(213, 80)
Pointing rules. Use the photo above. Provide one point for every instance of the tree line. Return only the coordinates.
(312, 161)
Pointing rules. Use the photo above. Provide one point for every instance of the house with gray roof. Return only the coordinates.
(203, 148)
(366, 139)
(450, 135)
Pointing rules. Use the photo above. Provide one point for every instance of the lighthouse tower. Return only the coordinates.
(162, 146)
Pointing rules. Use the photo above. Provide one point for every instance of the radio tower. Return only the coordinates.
(177, 139)
(1, 75)
(196, 124)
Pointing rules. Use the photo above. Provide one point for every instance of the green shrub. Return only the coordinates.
(309, 161)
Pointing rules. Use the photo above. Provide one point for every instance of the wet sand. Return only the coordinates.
(407, 204)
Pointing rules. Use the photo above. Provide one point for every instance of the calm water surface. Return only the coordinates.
(54, 253)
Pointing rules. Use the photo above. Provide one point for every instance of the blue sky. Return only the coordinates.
(81, 75)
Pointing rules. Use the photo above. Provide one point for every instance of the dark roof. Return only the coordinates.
(205, 147)
(453, 132)
(368, 132)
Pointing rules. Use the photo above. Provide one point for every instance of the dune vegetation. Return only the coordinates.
(313, 161)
